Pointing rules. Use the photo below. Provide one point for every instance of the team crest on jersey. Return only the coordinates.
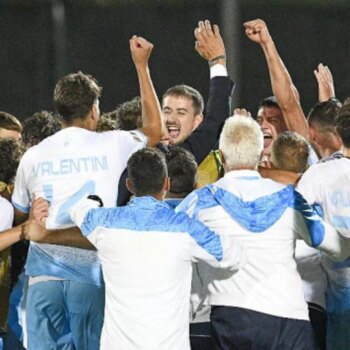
(136, 136)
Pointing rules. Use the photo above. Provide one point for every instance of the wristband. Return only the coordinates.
(216, 60)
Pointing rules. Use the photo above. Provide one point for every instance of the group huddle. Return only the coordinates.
(174, 226)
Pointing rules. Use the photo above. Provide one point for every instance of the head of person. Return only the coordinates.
(11, 152)
(241, 143)
(76, 99)
(129, 115)
(290, 152)
(147, 173)
(322, 127)
(182, 108)
(271, 121)
(39, 126)
(10, 126)
(182, 171)
(343, 126)
(106, 122)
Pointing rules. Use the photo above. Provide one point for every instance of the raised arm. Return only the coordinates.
(282, 85)
(151, 112)
(210, 46)
(325, 83)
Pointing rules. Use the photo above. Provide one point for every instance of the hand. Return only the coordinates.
(257, 31)
(34, 231)
(140, 50)
(325, 83)
(209, 43)
(241, 112)
(39, 211)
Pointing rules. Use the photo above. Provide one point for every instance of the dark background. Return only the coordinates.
(41, 40)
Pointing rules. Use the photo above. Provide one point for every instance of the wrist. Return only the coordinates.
(220, 59)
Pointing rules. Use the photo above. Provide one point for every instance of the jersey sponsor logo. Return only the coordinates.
(70, 166)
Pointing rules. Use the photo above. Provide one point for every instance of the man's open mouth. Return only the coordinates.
(173, 131)
(267, 139)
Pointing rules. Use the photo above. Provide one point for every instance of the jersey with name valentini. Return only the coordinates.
(64, 168)
(266, 218)
(146, 251)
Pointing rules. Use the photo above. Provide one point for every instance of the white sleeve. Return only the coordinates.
(21, 196)
(79, 211)
(320, 235)
(128, 142)
(218, 70)
(6, 216)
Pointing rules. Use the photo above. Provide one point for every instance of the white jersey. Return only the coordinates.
(327, 184)
(6, 214)
(266, 218)
(313, 275)
(146, 253)
(64, 168)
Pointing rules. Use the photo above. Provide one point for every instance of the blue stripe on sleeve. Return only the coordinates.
(313, 221)
(21, 208)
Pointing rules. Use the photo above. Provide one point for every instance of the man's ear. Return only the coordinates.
(129, 186)
(312, 134)
(198, 118)
(166, 185)
(222, 158)
(95, 112)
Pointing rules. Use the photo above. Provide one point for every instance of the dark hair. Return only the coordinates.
(323, 114)
(147, 171)
(40, 126)
(75, 95)
(106, 123)
(290, 151)
(268, 102)
(189, 92)
(9, 122)
(129, 114)
(343, 126)
(11, 152)
(182, 170)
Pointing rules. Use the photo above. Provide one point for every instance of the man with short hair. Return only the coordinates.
(66, 293)
(39, 126)
(322, 128)
(146, 251)
(327, 184)
(10, 126)
(262, 306)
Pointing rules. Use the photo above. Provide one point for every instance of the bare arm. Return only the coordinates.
(151, 112)
(71, 237)
(35, 229)
(282, 85)
(10, 236)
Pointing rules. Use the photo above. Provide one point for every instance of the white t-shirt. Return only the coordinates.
(146, 252)
(266, 218)
(6, 214)
(328, 185)
(64, 168)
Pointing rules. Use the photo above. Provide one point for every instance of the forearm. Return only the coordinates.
(284, 90)
(10, 236)
(71, 237)
(151, 111)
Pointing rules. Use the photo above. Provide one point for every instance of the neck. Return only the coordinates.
(79, 123)
(346, 151)
(176, 195)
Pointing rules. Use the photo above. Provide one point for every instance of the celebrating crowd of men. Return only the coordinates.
(173, 226)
